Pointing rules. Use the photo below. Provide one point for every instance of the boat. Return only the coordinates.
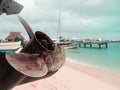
(9, 46)
(70, 46)
(67, 45)
(65, 42)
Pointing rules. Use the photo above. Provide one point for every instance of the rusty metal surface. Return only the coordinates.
(29, 64)
(39, 43)
(39, 58)
(54, 60)
(41, 48)
(9, 77)
(26, 26)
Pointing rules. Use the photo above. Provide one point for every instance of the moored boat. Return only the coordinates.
(8, 46)
(67, 43)
(70, 46)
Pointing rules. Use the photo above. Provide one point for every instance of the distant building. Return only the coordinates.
(13, 35)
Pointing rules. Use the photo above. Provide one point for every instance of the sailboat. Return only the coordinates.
(65, 42)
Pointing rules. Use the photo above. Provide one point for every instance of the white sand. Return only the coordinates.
(75, 76)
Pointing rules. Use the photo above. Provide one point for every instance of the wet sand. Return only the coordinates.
(75, 76)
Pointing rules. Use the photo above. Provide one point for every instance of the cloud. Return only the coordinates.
(77, 16)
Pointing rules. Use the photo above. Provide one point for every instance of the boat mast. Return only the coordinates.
(59, 26)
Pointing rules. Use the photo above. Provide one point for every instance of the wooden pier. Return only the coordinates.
(90, 43)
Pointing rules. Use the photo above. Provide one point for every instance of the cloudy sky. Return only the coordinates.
(79, 18)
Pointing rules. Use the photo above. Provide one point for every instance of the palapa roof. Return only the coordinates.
(13, 35)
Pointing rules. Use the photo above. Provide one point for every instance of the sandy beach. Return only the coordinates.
(75, 76)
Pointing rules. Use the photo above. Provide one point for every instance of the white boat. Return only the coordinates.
(7, 46)
(67, 44)
(70, 46)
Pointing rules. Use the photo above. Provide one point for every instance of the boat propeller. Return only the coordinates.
(39, 56)
(38, 59)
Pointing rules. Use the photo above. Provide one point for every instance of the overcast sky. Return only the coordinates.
(79, 18)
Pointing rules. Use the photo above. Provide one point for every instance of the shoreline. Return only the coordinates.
(90, 65)
(92, 70)
(76, 76)
(96, 66)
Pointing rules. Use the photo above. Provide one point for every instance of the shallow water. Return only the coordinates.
(105, 58)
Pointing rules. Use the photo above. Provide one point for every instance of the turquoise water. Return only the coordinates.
(105, 58)
(8, 50)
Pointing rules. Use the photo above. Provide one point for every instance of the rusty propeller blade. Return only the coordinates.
(54, 60)
(29, 64)
(26, 26)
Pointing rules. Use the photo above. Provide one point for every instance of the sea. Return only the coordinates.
(104, 58)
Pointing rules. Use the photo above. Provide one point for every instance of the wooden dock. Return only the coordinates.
(90, 43)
